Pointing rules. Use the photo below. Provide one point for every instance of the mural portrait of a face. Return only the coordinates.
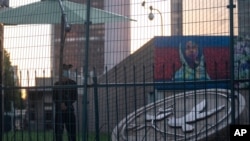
(191, 53)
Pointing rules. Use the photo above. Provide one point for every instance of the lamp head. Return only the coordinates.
(151, 16)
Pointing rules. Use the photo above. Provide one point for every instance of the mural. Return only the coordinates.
(192, 58)
(198, 58)
(201, 116)
(242, 60)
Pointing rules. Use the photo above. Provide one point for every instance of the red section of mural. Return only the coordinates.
(167, 61)
(217, 61)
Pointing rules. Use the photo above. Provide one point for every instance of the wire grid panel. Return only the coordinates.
(130, 60)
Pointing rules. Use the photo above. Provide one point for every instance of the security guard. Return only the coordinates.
(63, 98)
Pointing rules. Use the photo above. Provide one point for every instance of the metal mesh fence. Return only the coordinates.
(82, 70)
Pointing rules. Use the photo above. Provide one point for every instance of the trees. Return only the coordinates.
(11, 92)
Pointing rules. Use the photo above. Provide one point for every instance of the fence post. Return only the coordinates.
(231, 7)
(96, 109)
(85, 67)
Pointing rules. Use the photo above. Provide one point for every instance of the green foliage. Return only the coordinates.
(11, 93)
(8, 73)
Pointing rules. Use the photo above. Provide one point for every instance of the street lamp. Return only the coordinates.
(151, 15)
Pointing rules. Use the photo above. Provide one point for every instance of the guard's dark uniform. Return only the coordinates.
(65, 95)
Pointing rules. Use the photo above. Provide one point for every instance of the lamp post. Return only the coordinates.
(151, 15)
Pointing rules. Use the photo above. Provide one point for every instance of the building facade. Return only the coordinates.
(207, 17)
(243, 17)
(176, 17)
(109, 42)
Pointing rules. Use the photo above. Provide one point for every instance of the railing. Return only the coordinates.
(130, 107)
